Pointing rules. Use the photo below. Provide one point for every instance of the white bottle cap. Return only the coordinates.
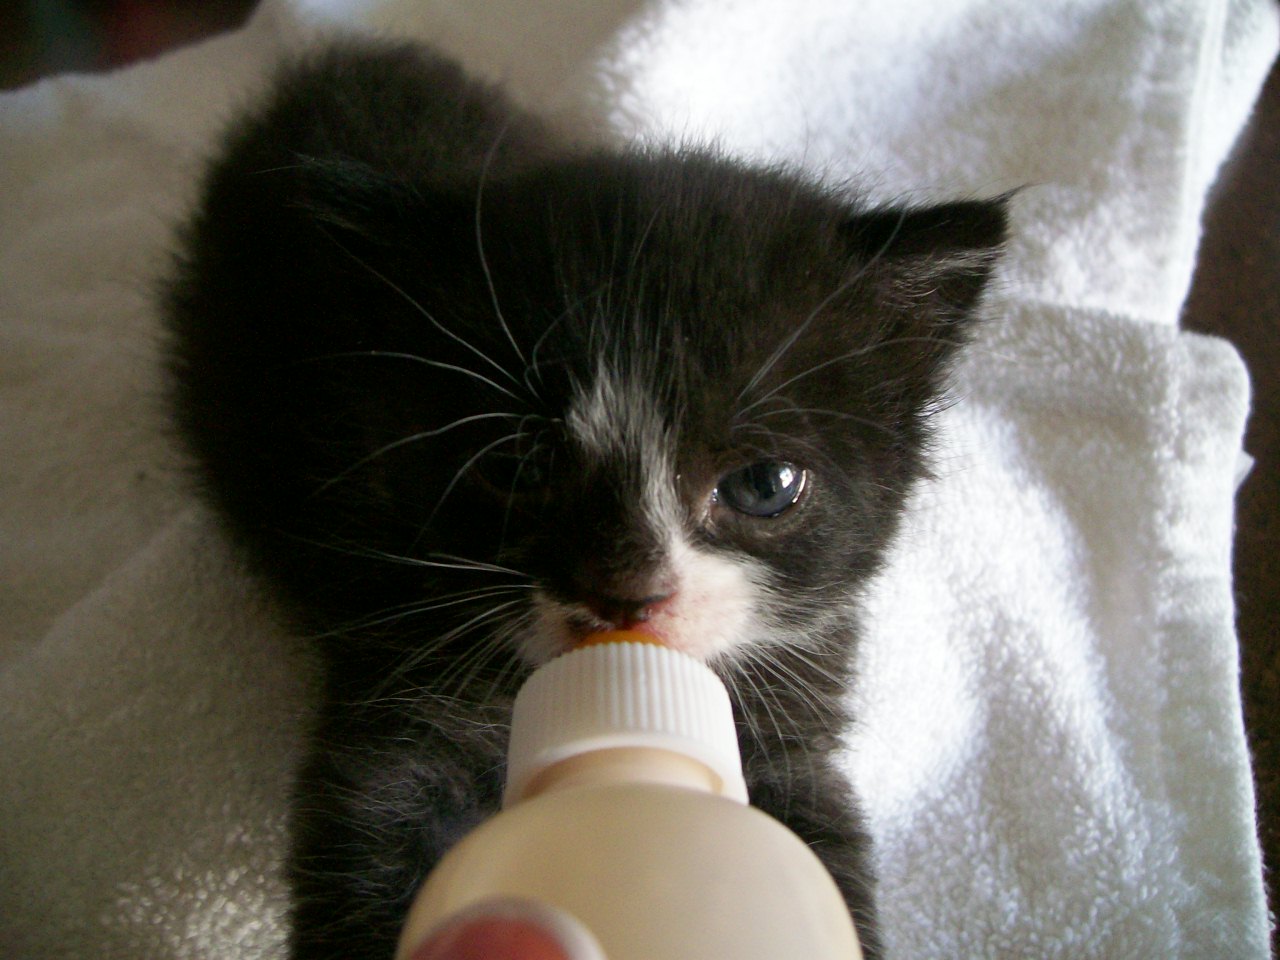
(623, 694)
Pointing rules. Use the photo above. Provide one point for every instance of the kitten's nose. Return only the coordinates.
(619, 612)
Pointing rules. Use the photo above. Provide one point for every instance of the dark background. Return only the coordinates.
(1236, 294)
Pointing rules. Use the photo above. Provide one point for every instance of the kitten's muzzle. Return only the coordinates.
(623, 613)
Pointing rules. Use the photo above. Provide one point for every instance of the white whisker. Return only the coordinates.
(434, 561)
(422, 653)
(425, 361)
(831, 361)
(762, 696)
(419, 308)
(471, 461)
(796, 334)
(406, 610)
(787, 407)
(412, 438)
(805, 693)
(465, 563)
(484, 260)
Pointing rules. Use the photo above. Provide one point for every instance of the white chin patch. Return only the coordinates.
(712, 610)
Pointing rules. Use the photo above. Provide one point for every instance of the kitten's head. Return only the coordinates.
(660, 392)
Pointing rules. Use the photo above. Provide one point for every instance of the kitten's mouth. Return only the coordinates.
(581, 626)
(703, 605)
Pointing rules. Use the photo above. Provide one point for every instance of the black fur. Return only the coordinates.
(393, 288)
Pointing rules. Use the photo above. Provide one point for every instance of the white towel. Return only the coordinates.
(1051, 749)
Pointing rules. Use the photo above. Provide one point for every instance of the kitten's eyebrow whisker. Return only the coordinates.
(819, 412)
(439, 364)
(404, 441)
(533, 368)
(484, 260)
(831, 361)
(404, 294)
(796, 334)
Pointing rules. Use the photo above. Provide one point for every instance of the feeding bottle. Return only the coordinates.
(625, 811)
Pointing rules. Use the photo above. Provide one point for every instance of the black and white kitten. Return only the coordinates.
(464, 393)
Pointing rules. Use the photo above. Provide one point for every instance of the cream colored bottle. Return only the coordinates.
(625, 808)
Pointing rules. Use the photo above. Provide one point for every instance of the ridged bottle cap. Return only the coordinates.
(623, 694)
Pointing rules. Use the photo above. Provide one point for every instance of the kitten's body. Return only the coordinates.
(464, 394)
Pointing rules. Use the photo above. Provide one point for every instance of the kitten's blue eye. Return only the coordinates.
(763, 489)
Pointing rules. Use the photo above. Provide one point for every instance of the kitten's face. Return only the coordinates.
(668, 528)
(672, 397)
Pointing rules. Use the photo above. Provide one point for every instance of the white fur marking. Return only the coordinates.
(716, 604)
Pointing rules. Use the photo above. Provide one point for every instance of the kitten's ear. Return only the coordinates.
(932, 262)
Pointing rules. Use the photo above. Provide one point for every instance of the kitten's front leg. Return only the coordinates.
(372, 815)
(818, 806)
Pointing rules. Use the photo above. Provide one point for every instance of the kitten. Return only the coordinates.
(464, 393)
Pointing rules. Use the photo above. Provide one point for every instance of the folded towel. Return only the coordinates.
(1050, 747)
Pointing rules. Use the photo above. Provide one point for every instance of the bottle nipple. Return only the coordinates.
(623, 688)
(618, 636)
